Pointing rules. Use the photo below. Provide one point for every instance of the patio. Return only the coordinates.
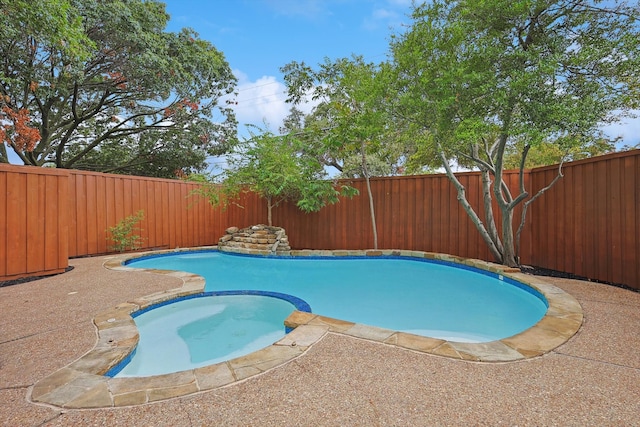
(593, 379)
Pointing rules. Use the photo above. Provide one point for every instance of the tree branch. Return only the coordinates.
(467, 206)
(523, 192)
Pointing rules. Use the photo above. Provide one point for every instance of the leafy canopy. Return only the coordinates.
(484, 82)
(274, 168)
(356, 135)
(108, 89)
(351, 117)
(532, 71)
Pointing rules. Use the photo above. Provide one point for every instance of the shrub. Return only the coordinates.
(125, 234)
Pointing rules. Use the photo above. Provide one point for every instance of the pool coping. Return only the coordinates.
(83, 384)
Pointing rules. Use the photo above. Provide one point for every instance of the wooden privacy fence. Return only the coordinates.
(173, 216)
(412, 212)
(51, 215)
(33, 221)
(588, 224)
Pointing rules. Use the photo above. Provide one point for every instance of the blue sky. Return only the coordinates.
(258, 37)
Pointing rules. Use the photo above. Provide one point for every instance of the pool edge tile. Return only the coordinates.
(298, 318)
(414, 342)
(303, 336)
(494, 351)
(371, 333)
(335, 325)
(214, 376)
(262, 360)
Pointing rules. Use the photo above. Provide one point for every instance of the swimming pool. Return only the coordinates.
(84, 383)
(423, 297)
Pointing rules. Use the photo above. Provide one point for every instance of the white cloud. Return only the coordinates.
(261, 101)
(378, 18)
(258, 102)
(392, 15)
(628, 129)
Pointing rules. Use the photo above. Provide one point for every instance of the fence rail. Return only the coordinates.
(588, 224)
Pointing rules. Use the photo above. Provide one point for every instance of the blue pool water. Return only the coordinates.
(424, 297)
(405, 294)
(202, 331)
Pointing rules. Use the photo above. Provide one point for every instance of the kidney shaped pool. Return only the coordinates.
(419, 296)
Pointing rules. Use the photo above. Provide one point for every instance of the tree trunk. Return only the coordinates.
(269, 208)
(506, 204)
(509, 250)
(462, 198)
(492, 230)
(365, 172)
(373, 213)
(4, 157)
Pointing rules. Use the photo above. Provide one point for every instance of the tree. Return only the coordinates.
(147, 155)
(481, 79)
(273, 167)
(45, 19)
(349, 128)
(109, 90)
(55, 21)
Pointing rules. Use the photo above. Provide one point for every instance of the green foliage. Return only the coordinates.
(488, 83)
(531, 72)
(209, 189)
(110, 90)
(545, 154)
(55, 22)
(277, 169)
(125, 234)
(352, 118)
(356, 133)
(146, 155)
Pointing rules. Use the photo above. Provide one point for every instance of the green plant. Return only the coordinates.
(125, 234)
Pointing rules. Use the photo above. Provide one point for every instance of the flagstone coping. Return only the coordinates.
(83, 384)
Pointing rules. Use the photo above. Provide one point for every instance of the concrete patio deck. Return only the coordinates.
(593, 379)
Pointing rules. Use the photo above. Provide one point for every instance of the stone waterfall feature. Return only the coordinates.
(257, 239)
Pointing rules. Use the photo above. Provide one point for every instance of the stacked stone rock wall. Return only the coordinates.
(257, 239)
